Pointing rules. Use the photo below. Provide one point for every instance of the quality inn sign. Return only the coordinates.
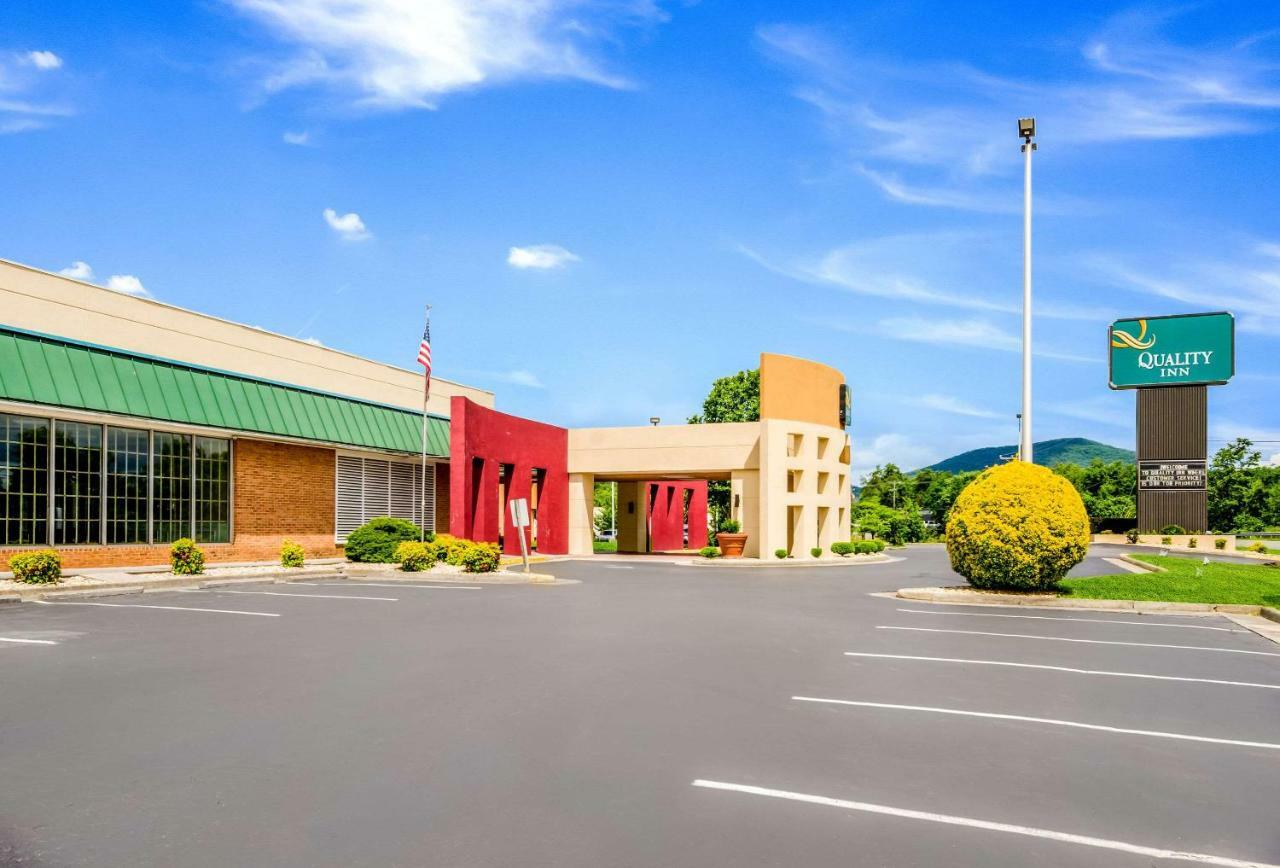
(1188, 350)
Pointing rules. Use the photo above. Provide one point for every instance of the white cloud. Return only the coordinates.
(950, 125)
(540, 256)
(1275, 460)
(26, 91)
(348, 226)
(965, 333)
(78, 270)
(899, 449)
(315, 342)
(405, 54)
(528, 379)
(44, 59)
(301, 138)
(127, 284)
(951, 404)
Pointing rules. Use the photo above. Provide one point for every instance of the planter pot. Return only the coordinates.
(731, 544)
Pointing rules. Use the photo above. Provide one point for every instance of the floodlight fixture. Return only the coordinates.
(1027, 128)
(654, 420)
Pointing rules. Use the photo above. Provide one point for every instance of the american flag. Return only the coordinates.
(424, 355)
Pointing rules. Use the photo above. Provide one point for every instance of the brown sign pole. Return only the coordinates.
(1173, 431)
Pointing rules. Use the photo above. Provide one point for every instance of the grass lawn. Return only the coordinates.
(601, 547)
(1187, 581)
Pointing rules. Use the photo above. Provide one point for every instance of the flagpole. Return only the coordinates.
(426, 391)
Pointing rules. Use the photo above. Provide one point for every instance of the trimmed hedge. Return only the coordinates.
(709, 552)
(480, 557)
(842, 548)
(375, 541)
(186, 558)
(780, 554)
(36, 568)
(1017, 526)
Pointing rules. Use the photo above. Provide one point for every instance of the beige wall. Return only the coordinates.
(653, 452)
(799, 390)
(38, 301)
(582, 531)
(814, 461)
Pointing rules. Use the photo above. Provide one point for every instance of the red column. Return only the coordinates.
(519, 485)
(698, 515)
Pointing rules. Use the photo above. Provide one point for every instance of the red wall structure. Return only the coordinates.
(484, 442)
(666, 504)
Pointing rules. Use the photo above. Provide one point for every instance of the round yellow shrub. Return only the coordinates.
(1017, 526)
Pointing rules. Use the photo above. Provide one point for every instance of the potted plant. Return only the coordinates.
(730, 540)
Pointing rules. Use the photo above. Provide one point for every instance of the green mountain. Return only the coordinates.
(1073, 450)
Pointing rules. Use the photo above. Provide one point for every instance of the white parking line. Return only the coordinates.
(1063, 669)
(27, 641)
(279, 594)
(987, 825)
(1083, 641)
(1055, 618)
(398, 585)
(170, 608)
(1045, 720)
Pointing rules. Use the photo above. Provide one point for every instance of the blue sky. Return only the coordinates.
(611, 203)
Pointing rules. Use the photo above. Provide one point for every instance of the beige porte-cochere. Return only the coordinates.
(788, 473)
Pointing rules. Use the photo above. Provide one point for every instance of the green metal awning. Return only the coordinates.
(42, 369)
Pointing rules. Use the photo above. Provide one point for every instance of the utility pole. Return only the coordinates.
(1027, 130)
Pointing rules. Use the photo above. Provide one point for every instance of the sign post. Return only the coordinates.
(520, 520)
(1171, 360)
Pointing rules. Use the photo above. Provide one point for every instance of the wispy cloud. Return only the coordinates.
(302, 138)
(891, 448)
(396, 54)
(27, 82)
(515, 377)
(955, 406)
(976, 333)
(348, 226)
(1133, 84)
(540, 257)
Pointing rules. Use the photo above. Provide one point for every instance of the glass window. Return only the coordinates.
(77, 483)
(24, 480)
(171, 509)
(128, 460)
(213, 489)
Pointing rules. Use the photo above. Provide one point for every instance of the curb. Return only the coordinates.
(757, 563)
(1142, 565)
(1270, 614)
(963, 597)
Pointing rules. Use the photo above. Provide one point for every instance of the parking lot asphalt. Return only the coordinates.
(651, 715)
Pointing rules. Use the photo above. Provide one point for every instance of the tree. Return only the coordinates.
(735, 398)
(1239, 498)
(603, 503)
(888, 485)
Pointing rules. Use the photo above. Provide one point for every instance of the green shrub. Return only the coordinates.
(1132, 535)
(868, 546)
(375, 541)
(1166, 540)
(1173, 529)
(291, 554)
(1257, 547)
(481, 558)
(442, 542)
(842, 548)
(186, 558)
(1192, 543)
(36, 568)
(730, 525)
(1219, 544)
(780, 554)
(414, 556)
(816, 551)
(709, 552)
(456, 550)
(1017, 525)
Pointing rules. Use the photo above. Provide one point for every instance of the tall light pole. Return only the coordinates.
(1027, 130)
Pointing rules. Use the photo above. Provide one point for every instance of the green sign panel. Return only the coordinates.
(1188, 350)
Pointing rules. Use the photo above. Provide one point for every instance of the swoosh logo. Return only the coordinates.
(1120, 339)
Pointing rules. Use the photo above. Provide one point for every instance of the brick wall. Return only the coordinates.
(281, 490)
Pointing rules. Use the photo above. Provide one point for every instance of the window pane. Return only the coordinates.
(128, 456)
(77, 484)
(24, 480)
(172, 502)
(213, 490)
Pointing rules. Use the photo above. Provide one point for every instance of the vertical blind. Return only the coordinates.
(373, 487)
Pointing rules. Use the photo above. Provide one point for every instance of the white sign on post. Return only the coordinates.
(520, 520)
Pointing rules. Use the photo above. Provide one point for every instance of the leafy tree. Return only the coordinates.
(735, 398)
(603, 506)
(888, 485)
(1241, 492)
